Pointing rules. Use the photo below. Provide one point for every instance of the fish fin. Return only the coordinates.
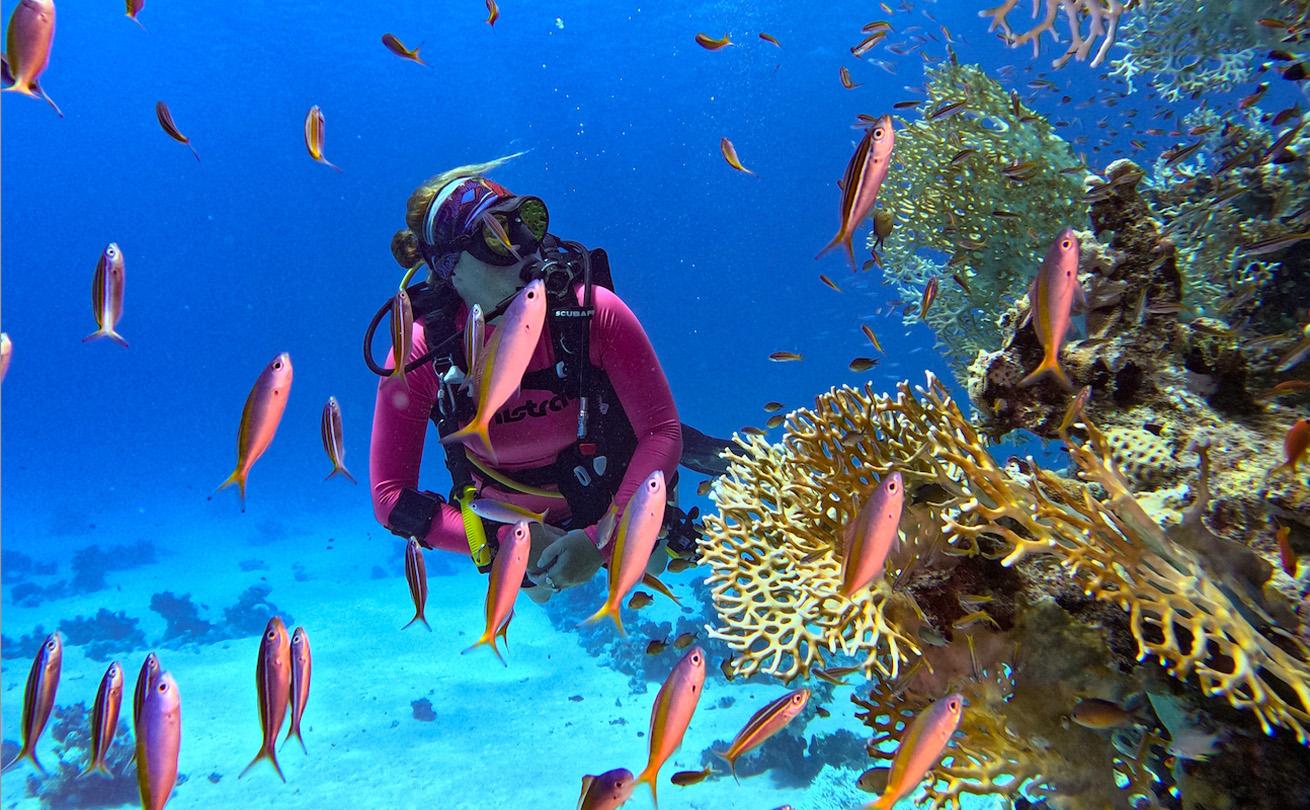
(606, 610)
(1032, 297)
(488, 639)
(106, 333)
(504, 630)
(732, 763)
(418, 617)
(329, 164)
(649, 777)
(883, 802)
(296, 732)
(17, 88)
(197, 154)
(52, 103)
(474, 428)
(653, 582)
(1049, 365)
(842, 238)
(23, 753)
(301, 739)
(235, 478)
(265, 752)
(340, 470)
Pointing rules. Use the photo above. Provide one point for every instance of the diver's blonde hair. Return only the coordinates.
(405, 242)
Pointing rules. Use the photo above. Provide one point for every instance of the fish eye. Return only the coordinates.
(877, 132)
(271, 635)
(891, 487)
(50, 645)
(1065, 244)
(954, 705)
(278, 364)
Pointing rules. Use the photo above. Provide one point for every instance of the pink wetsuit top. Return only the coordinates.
(530, 430)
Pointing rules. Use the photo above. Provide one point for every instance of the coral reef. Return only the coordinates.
(251, 611)
(1084, 594)
(959, 185)
(90, 564)
(185, 625)
(23, 646)
(64, 788)
(1102, 24)
(104, 635)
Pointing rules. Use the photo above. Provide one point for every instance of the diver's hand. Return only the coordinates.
(571, 560)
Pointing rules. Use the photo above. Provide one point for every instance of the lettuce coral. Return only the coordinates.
(959, 185)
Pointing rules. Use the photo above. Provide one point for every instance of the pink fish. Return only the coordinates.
(921, 748)
(402, 335)
(6, 353)
(302, 667)
(607, 791)
(107, 294)
(7, 81)
(864, 177)
(1051, 298)
(764, 724)
(134, 8)
(27, 47)
(504, 360)
(330, 431)
(671, 714)
(634, 541)
(314, 134)
(273, 684)
(873, 535)
(507, 571)
(475, 330)
(161, 725)
(416, 574)
(39, 697)
(145, 681)
(104, 718)
(259, 420)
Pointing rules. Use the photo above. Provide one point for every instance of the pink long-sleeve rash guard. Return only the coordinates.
(533, 427)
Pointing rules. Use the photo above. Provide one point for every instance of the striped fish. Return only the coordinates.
(608, 791)
(475, 329)
(273, 684)
(764, 724)
(107, 294)
(27, 46)
(259, 420)
(161, 726)
(104, 718)
(302, 667)
(402, 335)
(634, 540)
(671, 714)
(921, 748)
(860, 184)
(165, 117)
(1051, 298)
(507, 570)
(416, 574)
(6, 353)
(502, 512)
(314, 136)
(871, 537)
(39, 697)
(330, 430)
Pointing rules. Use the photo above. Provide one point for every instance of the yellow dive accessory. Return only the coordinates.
(473, 531)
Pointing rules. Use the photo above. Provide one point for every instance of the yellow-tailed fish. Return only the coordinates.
(398, 48)
(28, 41)
(259, 420)
(507, 570)
(165, 117)
(314, 136)
(161, 727)
(868, 333)
(107, 294)
(766, 722)
(504, 360)
(273, 685)
(493, 13)
(39, 697)
(416, 574)
(1075, 410)
(402, 335)
(104, 718)
(302, 670)
(872, 535)
(1051, 298)
(860, 184)
(330, 430)
(929, 295)
(475, 331)
(608, 791)
(133, 9)
(7, 81)
(921, 748)
(634, 540)
(6, 353)
(1286, 554)
(502, 512)
(730, 155)
(785, 357)
(671, 714)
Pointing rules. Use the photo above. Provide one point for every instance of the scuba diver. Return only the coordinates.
(593, 415)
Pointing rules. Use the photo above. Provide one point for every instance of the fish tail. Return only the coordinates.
(340, 470)
(235, 478)
(732, 763)
(197, 154)
(884, 802)
(418, 617)
(21, 87)
(265, 752)
(608, 609)
(106, 333)
(1050, 365)
(475, 428)
(842, 238)
(294, 731)
(650, 777)
(488, 639)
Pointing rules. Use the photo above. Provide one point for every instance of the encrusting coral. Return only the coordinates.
(1184, 598)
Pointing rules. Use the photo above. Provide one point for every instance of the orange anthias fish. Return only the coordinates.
(921, 747)
(709, 43)
(929, 295)
(273, 685)
(107, 294)
(402, 335)
(39, 697)
(7, 81)
(133, 9)
(398, 48)
(860, 184)
(873, 534)
(330, 429)
(1286, 554)
(416, 574)
(770, 39)
(671, 714)
(259, 420)
(493, 13)
(302, 670)
(27, 46)
(161, 727)
(764, 724)
(1051, 298)
(730, 154)
(634, 540)
(1294, 444)
(845, 75)
(503, 586)
(314, 136)
(606, 792)
(165, 117)
(104, 718)
(504, 360)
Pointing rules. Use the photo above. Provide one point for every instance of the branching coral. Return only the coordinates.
(1102, 23)
(960, 184)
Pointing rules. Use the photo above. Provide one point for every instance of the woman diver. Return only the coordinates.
(593, 415)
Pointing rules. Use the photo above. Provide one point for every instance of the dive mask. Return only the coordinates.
(503, 234)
